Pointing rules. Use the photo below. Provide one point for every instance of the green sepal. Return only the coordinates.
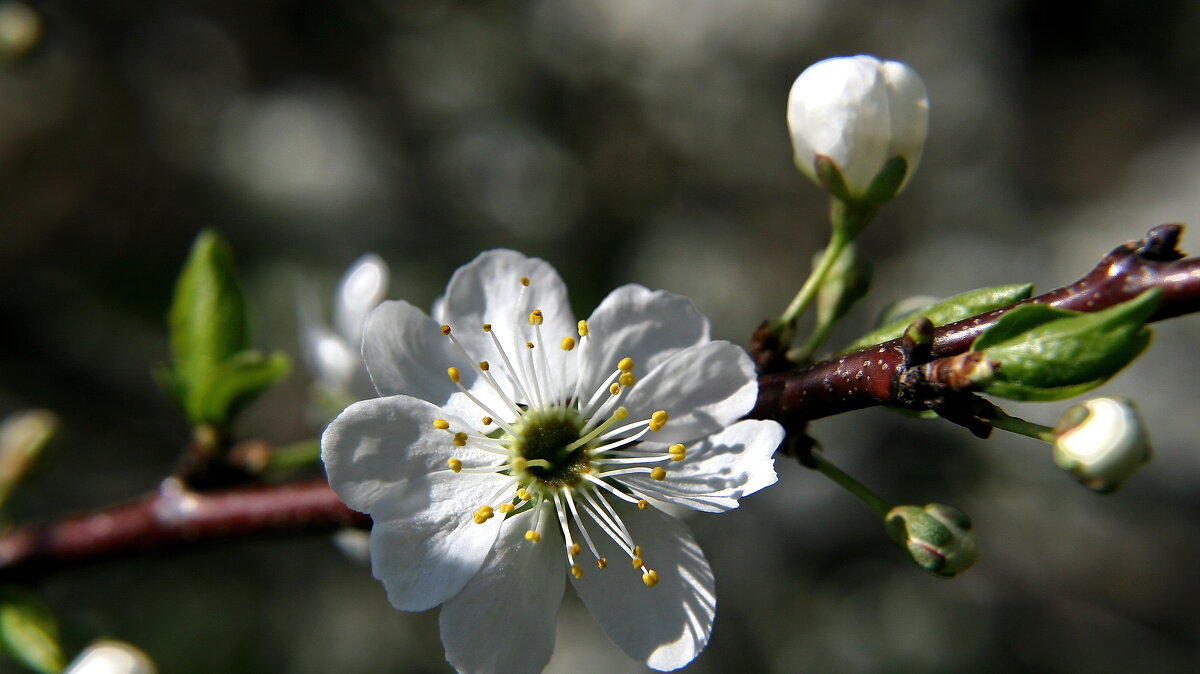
(949, 310)
(887, 182)
(829, 177)
(1050, 354)
(207, 318)
(29, 632)
(233, 383)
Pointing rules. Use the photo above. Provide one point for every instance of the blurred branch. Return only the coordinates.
(877, 375)
(175, 516)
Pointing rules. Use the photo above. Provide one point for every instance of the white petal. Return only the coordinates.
(908, 105)
(384, 457)
(718, 470)
(361, 289)
(503, 620)
(331, 361)
(406, 353)
(667, 625)
(703, 389)
(488, 290)
(646, 325)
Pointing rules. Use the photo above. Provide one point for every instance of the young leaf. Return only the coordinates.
(1051, 354)
(28, 631)
(949, 310)
(207, 319)
(235, 382)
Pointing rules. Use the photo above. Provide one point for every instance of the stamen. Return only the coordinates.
(532, 536)
(583, 328)
(441, 424)
(455, 464)
(460, 439)
(567, 343)
(678, 452)
(658, 474)
(537, 388)
(619, 414)
(650, 578)
(452, 372)
(516, 381)
(535, 317)
(487, 410)
(626, 379)
(483, 367)
(487, 421)
(576, 571)
(579, 525)
(484, 514)
(566, 529)
(643, 504)
(658, 420)
(507, 508)
(625, 364)
(524, 280)
(445, 329)
(602, 563)
(522, 494)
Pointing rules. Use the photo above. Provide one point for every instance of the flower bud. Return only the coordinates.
(111, 657)
(938, 537)
(1102, 442)
(858, 126)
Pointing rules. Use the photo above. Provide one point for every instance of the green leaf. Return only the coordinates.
(207, 319)
(234, 383)
(28, 631)
(949, 310)
(1051, 354)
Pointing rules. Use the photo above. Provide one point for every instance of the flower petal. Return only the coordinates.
(719, 469)
(513, 600)
(667, 625)
(488, 290)
(384, 457)
(646, 325)
(703, 389)
(406, 353)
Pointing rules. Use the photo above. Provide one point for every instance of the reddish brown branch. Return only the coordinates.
(872, 376)
(173, 515)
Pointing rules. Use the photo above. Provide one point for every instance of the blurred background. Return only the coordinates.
(623, 141)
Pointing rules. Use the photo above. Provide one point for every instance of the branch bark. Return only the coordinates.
(175, 516)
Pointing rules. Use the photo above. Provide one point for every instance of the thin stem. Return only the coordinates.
(843, 480)
(808, 291)
(1007, 422)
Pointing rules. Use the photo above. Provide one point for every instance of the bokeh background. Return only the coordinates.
(624, 141)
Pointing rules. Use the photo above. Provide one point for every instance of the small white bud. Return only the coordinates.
(1102, 442)
(937, 537)
(111, 657)
(859, 112)
(362, 288)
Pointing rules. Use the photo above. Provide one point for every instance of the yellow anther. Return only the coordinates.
(487, 327)
(582, 326)
(532, 535)
(620, 413)
(625, 365)
(484, 365)
(445, 329)
(650, 578)
(568, 343)
(460, 439)
(658, 474)
(518, 466)
(528, 345)
(506, 508)
(535, 317)
(576, 571)
(455, 464)
(660, 417)
(452, 372)
(615, 388)
(487, 421)
(637, 551)
(643, 504)
(524, 280)
(637, 562)
(575, 548)
(626, 379)
(522, 494)
(655, 426)
(484, 514)
(441, 424)
(678, 457)
(676, 449)
(602, 563)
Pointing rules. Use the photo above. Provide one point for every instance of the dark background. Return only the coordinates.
(622, 140)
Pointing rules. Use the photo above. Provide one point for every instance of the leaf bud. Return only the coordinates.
(937, 537)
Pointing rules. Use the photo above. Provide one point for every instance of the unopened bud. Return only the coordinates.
(111, 657)
(1102, 442)
(938, 537)
(858, 125)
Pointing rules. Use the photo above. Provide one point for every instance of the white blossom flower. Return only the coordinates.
(860, 112)
(515, 447)
(108, 656)
(333, 353)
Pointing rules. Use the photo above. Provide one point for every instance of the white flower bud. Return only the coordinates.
(938, 537)
(859, 112)
(111, 657)
(1102, 442)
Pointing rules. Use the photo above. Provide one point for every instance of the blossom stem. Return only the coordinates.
(843, 480)
(1007, 422)
(808, 291)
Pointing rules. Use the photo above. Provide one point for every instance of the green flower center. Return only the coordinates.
(548, 435)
